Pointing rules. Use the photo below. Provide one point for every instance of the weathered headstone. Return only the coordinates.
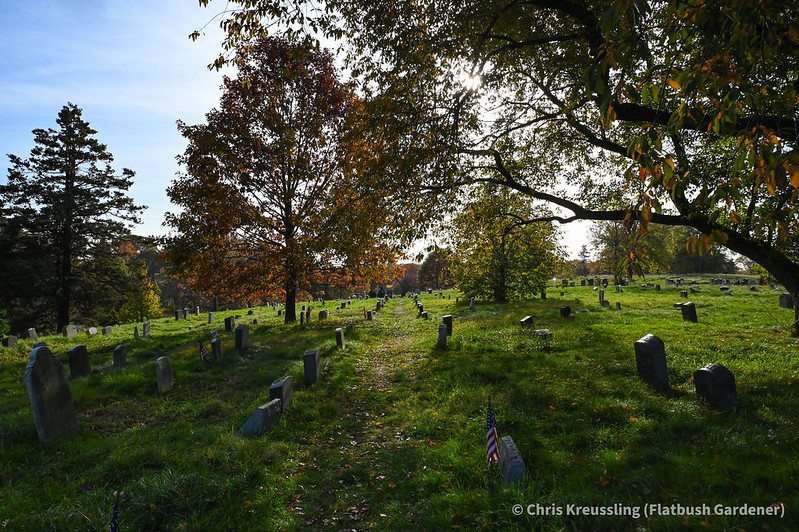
(9, 341)
(340, 338)
(786, 300)
(323, 314)
(216, 349)
(513, 469)
(471, 304)
(78, 358)
(716, 384)
(565, 312)
(30, 334)
(178, 315)
(120, 356)
(230, 324)
(657, 287)
(282, 389)
(650, 360)
(544, 334)
(51, 399)
(684, 293)
(618, 305)
(442, 336)
(369, 315)
(447, 319)
(163, 373)
(689, 312)
(420, 308)
(527, 321)
(108, 330)
(212, 317)
(263, 420)
(312, 363)
(250, 312)
(70, 331)
(145, 327)
(92, 331)
(242, 337)
(424, 315)
(198, 312)
(601, 296)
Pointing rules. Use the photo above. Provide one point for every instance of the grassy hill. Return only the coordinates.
(393, 436)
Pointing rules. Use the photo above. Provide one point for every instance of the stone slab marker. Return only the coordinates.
(442, 336)
(263, 420)
(230, 324)
(78, 357)
(513, 469)
(544, 334)
(216, 349)
(120, 356)
(323, 314)
(282, 389)
(716, 384)
(447, 319)
(526, 321)
(369, 315)
(565, 312)
(30, 334)
(211, 317)
(340, 338)
(145, 327)
(108, 330)
(163, 372)
(650, 360)
(51, 399)
(70, 331)
(689, 312)
(92, 331)
(786, 300)
(242, 337)
(312, 363)
(9, 341)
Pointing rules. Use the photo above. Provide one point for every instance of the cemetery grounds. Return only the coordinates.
(393, 435)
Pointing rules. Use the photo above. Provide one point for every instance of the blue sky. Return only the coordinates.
(129, 65)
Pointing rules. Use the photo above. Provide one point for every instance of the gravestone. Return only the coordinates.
(323, 314)
(51, 399)
(786, 300)
(9, 341)
(604, 303)
(145, 327)
(657, 288)
(120, 356)
(689, 312)
(308, 315)
(163, 373)
(282, 389)
(424, 315)
(513, 469)
(544, 334)
(369, 315)
(618, 288)
(312, 362)
(343, 306)
(178, 315)
(78, 358)
(442, 336)
(447, 319)
(582, 282)
(30, 334)
(211, 317)
(250, 312)
(340, 338)
(279, 312)
(543, 295)
(692, 290)
(216, 349)
(565, 312)
(230, 324)
(198, 312)
(601, 296)
(618, 305)
(263, 420)
(650, 360)
(108, 330)
(471, 304)
(716, 384)
(242, 337)
(684, 293)
(70, 331)
(526, 321)
(92, 331)
(420, 308)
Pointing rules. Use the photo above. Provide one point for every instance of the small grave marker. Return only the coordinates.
(163, 373)
(513, 469)
(689, 312)
(312, 362)
(442, 336)
(716, 384)
(78, 358)
(242, 337)
(340, 338)
(120, 356)
(447, 319)
(650, 360)
(282, 389)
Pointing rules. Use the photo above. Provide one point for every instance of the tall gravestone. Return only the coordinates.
(30, 334)
(242, 337)
(447, 319)
(230, 324)
(650, 360)
(70, 331)
(716, 384)
(282, 389)
(689, 312)
(120, 356)
(163, 374)
(145, 327)
(340, 338)
(442, 336)
(565, 312)
(312, 364)
(786, 300)
(216, 349)
(211, 317)
(78, 358)
(51, 399)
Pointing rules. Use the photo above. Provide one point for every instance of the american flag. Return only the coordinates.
(113, 526)
(492, 437)
(204, 353)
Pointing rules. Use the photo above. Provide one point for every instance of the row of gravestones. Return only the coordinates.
(69, 331)
(714, 382)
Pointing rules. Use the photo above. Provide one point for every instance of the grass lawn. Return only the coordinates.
(393, 436)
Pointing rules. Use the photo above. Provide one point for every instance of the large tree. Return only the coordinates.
(673, 112)
(266, 196)
(66, 210)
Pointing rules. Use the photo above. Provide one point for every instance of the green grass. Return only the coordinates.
(393, 436)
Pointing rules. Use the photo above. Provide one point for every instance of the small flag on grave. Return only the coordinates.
(492, 436)
(204, 353)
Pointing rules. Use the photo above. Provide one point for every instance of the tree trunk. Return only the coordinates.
(291, 298)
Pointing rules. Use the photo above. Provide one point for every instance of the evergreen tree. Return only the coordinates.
(65, 208)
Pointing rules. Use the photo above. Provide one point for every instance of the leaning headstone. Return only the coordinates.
(786, 300)
(108, 330)
(340, 338)
(70, 331)
(242, 337)
(230, 324)
(211, 317)
(565, 312)
(689, 312)
(716, 383)
(163, 373)
(263, 420)
(216, 349)
(282, 389)
(145, 327)
(650, 360)
(92, 331)
(312, 363)
(78, 358)
(527, 321)
(30, 334)
(9, 341)
(120, 356)
(544, 334)
(51, 399)
(447, 319)
(442, 336)
(513, 469)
